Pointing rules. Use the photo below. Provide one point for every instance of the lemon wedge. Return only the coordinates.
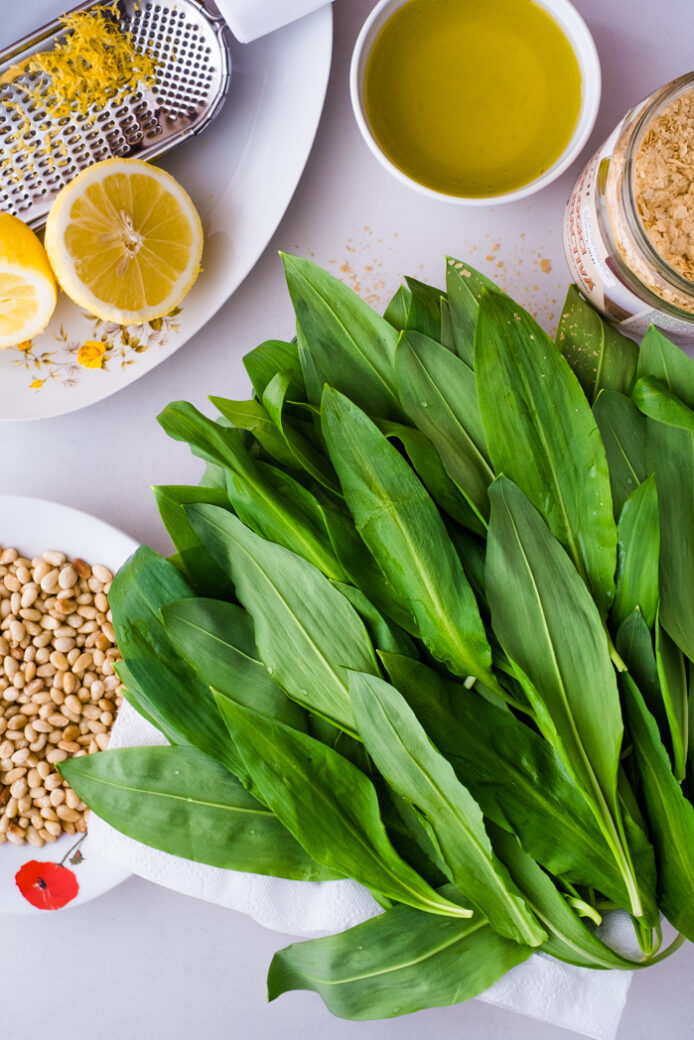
(125, 241)
(27, 287)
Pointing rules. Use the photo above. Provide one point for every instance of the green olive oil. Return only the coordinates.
(472, 97)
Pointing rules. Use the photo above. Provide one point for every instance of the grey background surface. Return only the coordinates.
(145, 962)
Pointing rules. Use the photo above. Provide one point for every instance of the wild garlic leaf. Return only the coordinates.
(670, 456)
(653, 399)
(305, 630)
(623, 432)
(142, 586)
(541, 434)
(277, 507)
(438, 393)
(180, 801)
(569, 937)
(515, 775)
(429, 467)
(464, 286)
(252, 416)
(384, 634)
(670, 814)
(634, 643)
(405, 534)
(405, 756)
(306, 454)
(548, 624)
(179, 704)
(218, 642)
(271, 357)
(673, 687)
(638, 532)
(350, 346)
(192, 558)
(660, 359)
(601, 357)
(340, 824)
(400, 962)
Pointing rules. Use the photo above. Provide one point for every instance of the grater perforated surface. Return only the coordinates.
(39, 156)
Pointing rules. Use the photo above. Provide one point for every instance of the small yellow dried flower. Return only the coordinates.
(91, 354)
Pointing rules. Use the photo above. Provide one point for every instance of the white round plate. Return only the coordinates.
(241, 173)
(33, 525)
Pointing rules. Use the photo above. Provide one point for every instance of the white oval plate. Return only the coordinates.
(241, 174)
(33, 525)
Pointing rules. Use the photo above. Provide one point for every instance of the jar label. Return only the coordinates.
(591, 263)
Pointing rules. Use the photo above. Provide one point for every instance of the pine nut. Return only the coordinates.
(58, 691)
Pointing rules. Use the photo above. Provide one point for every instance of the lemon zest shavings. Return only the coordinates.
(93, 64)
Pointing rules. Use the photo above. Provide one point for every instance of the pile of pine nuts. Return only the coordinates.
(59, 693)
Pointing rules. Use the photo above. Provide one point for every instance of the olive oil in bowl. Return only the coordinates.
(472, 98)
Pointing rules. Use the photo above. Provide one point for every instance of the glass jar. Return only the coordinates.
(610, 254)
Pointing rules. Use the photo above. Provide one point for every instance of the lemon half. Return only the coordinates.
(125, 241)
(27, 288)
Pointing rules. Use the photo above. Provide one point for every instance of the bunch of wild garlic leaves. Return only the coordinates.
(430, 626)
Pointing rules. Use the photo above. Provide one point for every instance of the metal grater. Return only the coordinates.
(189, 40)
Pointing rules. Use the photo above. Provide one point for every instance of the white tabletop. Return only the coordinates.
(142, 961)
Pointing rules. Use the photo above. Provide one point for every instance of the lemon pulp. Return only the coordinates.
(472, 97)
(125, 241)
(27, 287)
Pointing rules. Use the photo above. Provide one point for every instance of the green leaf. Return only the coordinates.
(178, 800)
(424, 312)
(266, 498)
(549, 625)
(514, 774)
(142, 586)
(340, 824)
(634, 645)
(252, 416)
(396, 311)
(540, 433)
(601, 357)
(197, 564)
(384, 634)
(662, 360)
(212, 441)
(570, 939)
(638, 547)
(173, 698)
(350, 346)
(673, 686)
(427, 464)
(415, 769)
(305, 630)
(406, 536)
(438, 393)
(623, 432)
(308, 457)
(416, 306)
(670, 455)
(670, 815)
(271, 357)
(218, 642)
(397, 963)
(653, 399)
(464, 286)
(274, 505)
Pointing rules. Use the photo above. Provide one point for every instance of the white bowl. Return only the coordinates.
(577, 33)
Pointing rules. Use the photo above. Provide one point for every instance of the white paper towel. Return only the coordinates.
(249, 19)
(588, 1002)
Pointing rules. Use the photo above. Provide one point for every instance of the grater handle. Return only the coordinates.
(249, 19)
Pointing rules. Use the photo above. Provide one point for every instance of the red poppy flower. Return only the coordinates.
(47, 886)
